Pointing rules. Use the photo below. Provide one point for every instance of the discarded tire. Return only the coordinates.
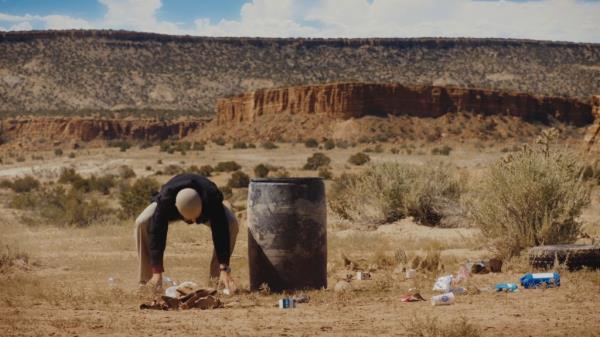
(573, 256)
(287, 234)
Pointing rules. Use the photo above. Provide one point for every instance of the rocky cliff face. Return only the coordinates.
(592, 136)
(52, 72)
(90, 129)
(354, 100)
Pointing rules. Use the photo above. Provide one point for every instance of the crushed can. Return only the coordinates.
(361, 275)
(536, 280)
(287, 303)
(443, 299)
(507, 287)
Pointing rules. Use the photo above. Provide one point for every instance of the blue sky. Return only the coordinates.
(567, 20)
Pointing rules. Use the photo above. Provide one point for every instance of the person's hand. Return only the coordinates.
(155, 282)
(227, 281)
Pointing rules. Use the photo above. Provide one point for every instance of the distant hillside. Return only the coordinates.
(79, 72)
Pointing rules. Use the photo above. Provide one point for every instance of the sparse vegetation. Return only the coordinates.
(311, 143)
(24, 184)
(359, 159)
(441, 151)
(261, 171)
(269, 145)
(316, 161)
(240, 145)
(238, 179)
(531, 197)
(58, 152)
(325, 173)
(329, 144)
(134, 198)
(126, 172)
(227, 166)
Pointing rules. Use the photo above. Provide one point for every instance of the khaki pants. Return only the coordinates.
(143, 244)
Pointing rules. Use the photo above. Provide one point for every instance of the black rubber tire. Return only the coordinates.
(573, 256)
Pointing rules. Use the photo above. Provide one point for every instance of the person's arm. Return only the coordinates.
(157, 234)
(220, 233)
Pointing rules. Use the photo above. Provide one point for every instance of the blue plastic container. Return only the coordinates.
(540, 280)
(508, 287)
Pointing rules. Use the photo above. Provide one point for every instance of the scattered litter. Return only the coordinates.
(361, 276)
(540, 279)
(172, 292)
(302, 299)
(458, 291)
(443, 284)
(411, 273)
(200, 299)
(507, 287)
(416, 297)
(226, 291)
(342, 286)
(443, 299)
(168, 282)
(462, 274)
(478, 267)
(287, 303)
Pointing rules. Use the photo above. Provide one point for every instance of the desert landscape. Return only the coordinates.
(436, 154)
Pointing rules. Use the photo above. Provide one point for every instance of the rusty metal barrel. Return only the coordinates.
(287, 234)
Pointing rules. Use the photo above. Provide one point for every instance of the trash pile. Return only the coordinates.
(185, 296)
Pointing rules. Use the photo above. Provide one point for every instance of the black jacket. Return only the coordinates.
(213, 211)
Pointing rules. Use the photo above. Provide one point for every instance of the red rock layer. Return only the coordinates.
(89, 129)
(352, 100)
(592, 136)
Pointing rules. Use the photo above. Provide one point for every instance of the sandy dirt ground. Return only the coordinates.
(64, 291)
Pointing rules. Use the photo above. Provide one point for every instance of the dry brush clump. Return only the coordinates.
(391, 191)
(532, 197)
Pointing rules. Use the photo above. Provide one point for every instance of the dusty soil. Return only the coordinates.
(63, 290)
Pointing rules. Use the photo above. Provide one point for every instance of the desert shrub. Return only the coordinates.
(5, 184)
(9, 256)
(204, 170)
(126, 172)
(72, 155)
(173, 170)
(68, 175)
(325, 173)
(226, 191)
(240, 145)
(591, 172)
(134, 198)
(261, 171)
(279, 172)
(532, 197)
(20, 159)
(269, 145)
(329, 144)
(227, 166)
(198, 146)
(122, 144)
(311, 143)
(391, 191)
(238, 179)
(441, 151)
(102, 184)
(145, 145)
(316, 161)
(342, 144)
(359, 159)
(24, 184)
(219, 141)
(57, 206)
(394, 150)
(58, 152)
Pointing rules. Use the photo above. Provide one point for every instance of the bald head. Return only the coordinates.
(189, 204)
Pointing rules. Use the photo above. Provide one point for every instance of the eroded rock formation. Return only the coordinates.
(592, 136)
(90, 129)
(354, 100)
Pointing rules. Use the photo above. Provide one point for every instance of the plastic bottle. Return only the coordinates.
(168, 282)
(540, 279)
(508, 287)
(443, 299)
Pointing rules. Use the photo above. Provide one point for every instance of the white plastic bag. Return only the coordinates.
(443, 284)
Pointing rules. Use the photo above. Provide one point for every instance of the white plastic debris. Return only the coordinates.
(443, 284)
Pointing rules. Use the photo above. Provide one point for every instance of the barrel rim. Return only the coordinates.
(287, 180)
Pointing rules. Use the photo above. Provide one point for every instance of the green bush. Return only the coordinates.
(532, 197)
(261, 171)
(329, 144)
(311, 143)
(391, 191)
(24, 184)
(316, 161)
(359, 159)
(269, 145)
(134, 198)
(227, 166)
(238, 179)
(57, 206)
